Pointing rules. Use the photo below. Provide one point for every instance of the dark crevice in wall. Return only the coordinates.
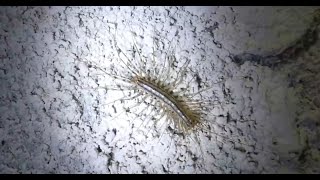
(301, 45)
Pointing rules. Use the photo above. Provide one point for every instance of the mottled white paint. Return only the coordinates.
(48, 121)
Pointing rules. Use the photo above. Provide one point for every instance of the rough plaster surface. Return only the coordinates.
(52, 119)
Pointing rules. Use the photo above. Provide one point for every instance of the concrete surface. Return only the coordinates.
(53, 119)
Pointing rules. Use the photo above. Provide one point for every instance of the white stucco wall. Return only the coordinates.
(52, 120)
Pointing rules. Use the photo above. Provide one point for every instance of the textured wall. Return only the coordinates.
(53, 118)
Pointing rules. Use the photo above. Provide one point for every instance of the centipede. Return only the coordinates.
(156, 92)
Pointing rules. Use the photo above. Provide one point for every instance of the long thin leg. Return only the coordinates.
(123, 98)
(142, 100)
(105, 72)
(111, 88)
(155, 73)
(131, 107)
(134, 69)
(129, 66)
(166, 60)
(194, 94)
(174, 84)
(145, 117)
(164, 130)
(137, 50)
(168, 69)
(160, 117)
(138, 104)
